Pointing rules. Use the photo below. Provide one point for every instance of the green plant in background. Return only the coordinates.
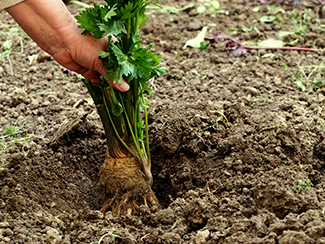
(275, 9)
(303, 185)
(8, 139)
(251, 29)
(7, 46)
(269, 19)
(305, 75)
(211, 7)
(126, 59)
(302, 23)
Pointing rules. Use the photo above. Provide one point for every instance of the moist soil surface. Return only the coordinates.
(238, 149)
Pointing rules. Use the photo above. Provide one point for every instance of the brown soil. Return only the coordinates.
(216, 182)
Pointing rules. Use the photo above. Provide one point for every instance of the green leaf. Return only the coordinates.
(269, 19)
(215, 4)
(109, 14)
(99, 21)
(268, 55)
(201, 9)
(256, 9)
(285, 33)
(127, 11)
(204, 46)
(245, 29)
(118, 109)
(196, 42)
(121, 58)
(271, 43)
(275, 9)
(299, 83)
(103, 54)
(318, 82)
(10, 130)
(7, 45)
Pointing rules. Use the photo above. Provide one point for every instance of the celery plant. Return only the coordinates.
(124, 59)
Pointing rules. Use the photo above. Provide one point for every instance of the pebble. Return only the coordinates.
(3, 171)
(5, 190)
(18, 96)
(7, 232)
(277, 81)
(52, 235)
(2, 203)
(4, 224)
(194, 25)
(253, 91)
(202, 236)
(321, 98)
(34, 104)
(244, 100)
(298, 110)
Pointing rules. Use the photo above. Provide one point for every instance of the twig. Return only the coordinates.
(237, 48)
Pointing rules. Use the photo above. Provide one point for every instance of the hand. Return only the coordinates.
(54, 29)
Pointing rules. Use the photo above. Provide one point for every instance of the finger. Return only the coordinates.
(123, 87)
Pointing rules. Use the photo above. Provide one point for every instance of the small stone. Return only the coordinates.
(66, 240)
(194, 25)
(321, 98)
(277, 81)
(7, 232)
(202, 236)
(298, 110)
(5, 240)
(53, 236)
(94, 214)
(3, 171)
(4, 224)
(19, 96)
(253, 91)
(244, 100)
(2, 203)
(193, 12)
(46, 103)
(34, 104)
(5, 190)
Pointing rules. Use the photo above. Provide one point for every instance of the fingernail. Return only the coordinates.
(124, 86)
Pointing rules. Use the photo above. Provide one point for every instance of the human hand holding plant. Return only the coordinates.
(54, 29)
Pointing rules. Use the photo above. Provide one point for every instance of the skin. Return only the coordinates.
(55, 30)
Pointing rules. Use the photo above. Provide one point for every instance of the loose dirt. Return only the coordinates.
(255, 177)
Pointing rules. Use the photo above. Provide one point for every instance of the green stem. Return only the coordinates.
(116, 132)
(113, 146)
(135, 87)
(136, 143)
(113, 103)
(94, 96)
(147, 134)
(128, 36)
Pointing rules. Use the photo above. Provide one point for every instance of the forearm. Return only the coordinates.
(55, 30)
(46, 22)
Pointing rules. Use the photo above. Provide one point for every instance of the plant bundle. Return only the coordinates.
(126, 175)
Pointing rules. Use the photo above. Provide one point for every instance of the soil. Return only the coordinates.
(257, 177)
